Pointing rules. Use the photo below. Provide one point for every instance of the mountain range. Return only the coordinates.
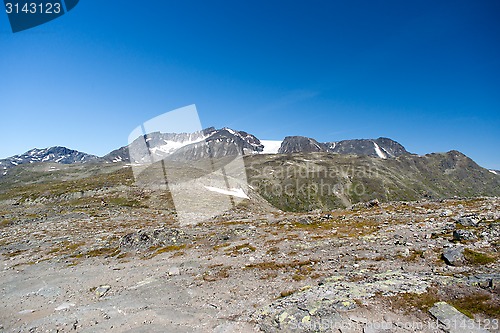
(308, 174)
(209, 142)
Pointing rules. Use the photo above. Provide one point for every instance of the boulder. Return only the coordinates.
(454, 256)
(454, 321)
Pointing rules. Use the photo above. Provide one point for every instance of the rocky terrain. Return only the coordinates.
(371, 239)
(84, 249)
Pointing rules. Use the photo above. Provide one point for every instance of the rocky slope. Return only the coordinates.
(307, 181)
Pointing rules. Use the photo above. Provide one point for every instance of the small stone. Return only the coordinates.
(446, 213)
(172, 271)
(102, 290)
(64, 306)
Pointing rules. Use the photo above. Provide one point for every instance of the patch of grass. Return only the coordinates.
(414, 255)
(122, 255)
(14, 253)
(215, 273)
(178, 254)
(102, 252)
(411, 301)
(170, 248)
(287, 293)
(239, 249)
(67, 247)
(218, 246)
(6, 223)
(477, 258)
(156, 250)
(479, 302)
(273, 250)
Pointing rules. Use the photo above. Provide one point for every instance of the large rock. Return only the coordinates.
(453, 321)
(454, 256)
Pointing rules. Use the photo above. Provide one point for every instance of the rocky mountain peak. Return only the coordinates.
(298, 144)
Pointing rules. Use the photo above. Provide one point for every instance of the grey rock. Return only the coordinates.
(485, 280)
(454, 321)
(172, 271)
(305, 220)
(102, 290)
(454, 256)
(468, 221)
(368, 147)
(372, 203)
(446, 213)
(463, 235)
(144, 239)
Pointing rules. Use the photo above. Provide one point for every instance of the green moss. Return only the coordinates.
(477, 258)
(102, 252)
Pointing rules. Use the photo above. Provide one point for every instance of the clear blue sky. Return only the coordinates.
(425, 73)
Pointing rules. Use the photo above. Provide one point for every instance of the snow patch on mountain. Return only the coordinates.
(271, 146)
(235, 192)
(379, 151)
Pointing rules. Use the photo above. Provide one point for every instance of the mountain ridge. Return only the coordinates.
(208, 142)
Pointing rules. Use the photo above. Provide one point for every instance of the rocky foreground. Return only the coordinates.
(428, 266)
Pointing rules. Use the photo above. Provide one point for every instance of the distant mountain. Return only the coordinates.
(224, 142)
(381, 147)
(54, 154)
(156, 145)
(189, 146)
(301, 144)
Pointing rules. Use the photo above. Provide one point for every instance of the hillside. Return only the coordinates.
(307, 181)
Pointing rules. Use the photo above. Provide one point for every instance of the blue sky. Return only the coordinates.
(425, 73)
